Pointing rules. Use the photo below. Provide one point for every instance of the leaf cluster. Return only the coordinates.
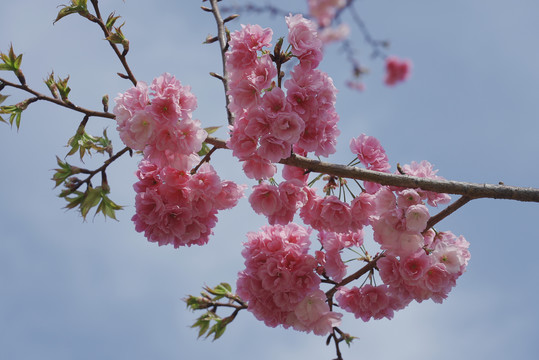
(210, 323)
(14, 112)
(12, 62)
(84, 143)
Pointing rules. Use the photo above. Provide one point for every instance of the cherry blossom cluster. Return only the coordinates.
(397, 70)
(173, 206)
(428, 273)
(270, 123)
(280, 282)
(157, 120)
(418, 264)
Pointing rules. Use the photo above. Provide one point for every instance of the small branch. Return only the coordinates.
(205, 159)
(106, 32)
(365, 269)
(471, 190)
(463, 200)
(101, 169)
(69, 105)
(223, 43)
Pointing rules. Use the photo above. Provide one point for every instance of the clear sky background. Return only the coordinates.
(98, 290)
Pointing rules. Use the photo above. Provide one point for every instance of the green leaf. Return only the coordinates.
(117, 37)
(91, 199)
(14, 112)
(77, 6)
(62, 173)
(111, 20)
(107, 207)
(218, 329)
(74, 201)
(11, 61)
(204, 150)
(64, 90)
(211, 129)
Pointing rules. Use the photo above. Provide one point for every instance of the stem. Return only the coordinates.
(69, 105)
(463, 200)
(365, 269)
(120, 55)
(102, 168)
(223, 42)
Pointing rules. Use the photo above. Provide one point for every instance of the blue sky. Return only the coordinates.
(97, 289)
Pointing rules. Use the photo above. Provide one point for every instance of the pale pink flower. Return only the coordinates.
(265, 199)
(370, 152)
(133, 100)
(138, 130)
(415, 266)
(305, 43)
(425, 169)
(416, 217)
(313, 314)
(287, 126)
(256, 167)
(363, 208)
(367, 302)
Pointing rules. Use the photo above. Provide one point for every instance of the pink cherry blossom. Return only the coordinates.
(397, 70)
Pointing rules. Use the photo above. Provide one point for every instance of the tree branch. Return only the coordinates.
(223, 43)
(471, 190)
(106, 32)
(463, 200)
(69, 105)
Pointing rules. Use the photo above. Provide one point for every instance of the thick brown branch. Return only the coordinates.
(471, 190)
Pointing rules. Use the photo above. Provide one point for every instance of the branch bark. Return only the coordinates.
(223, 43)
(470, 190)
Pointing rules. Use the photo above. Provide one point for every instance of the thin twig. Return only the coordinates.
(223, 43)
(69, 105)
(98, 20)
(463, 200)
(102, 168)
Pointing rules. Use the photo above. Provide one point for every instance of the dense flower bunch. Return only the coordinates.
(280, 283)
(418, 264)
(269, 122)
(173, 206)
(427, 273)
(157, 120)
(397, 70)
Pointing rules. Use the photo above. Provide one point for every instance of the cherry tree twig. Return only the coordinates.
(121, 55)
(223, 43)
(66, 104)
